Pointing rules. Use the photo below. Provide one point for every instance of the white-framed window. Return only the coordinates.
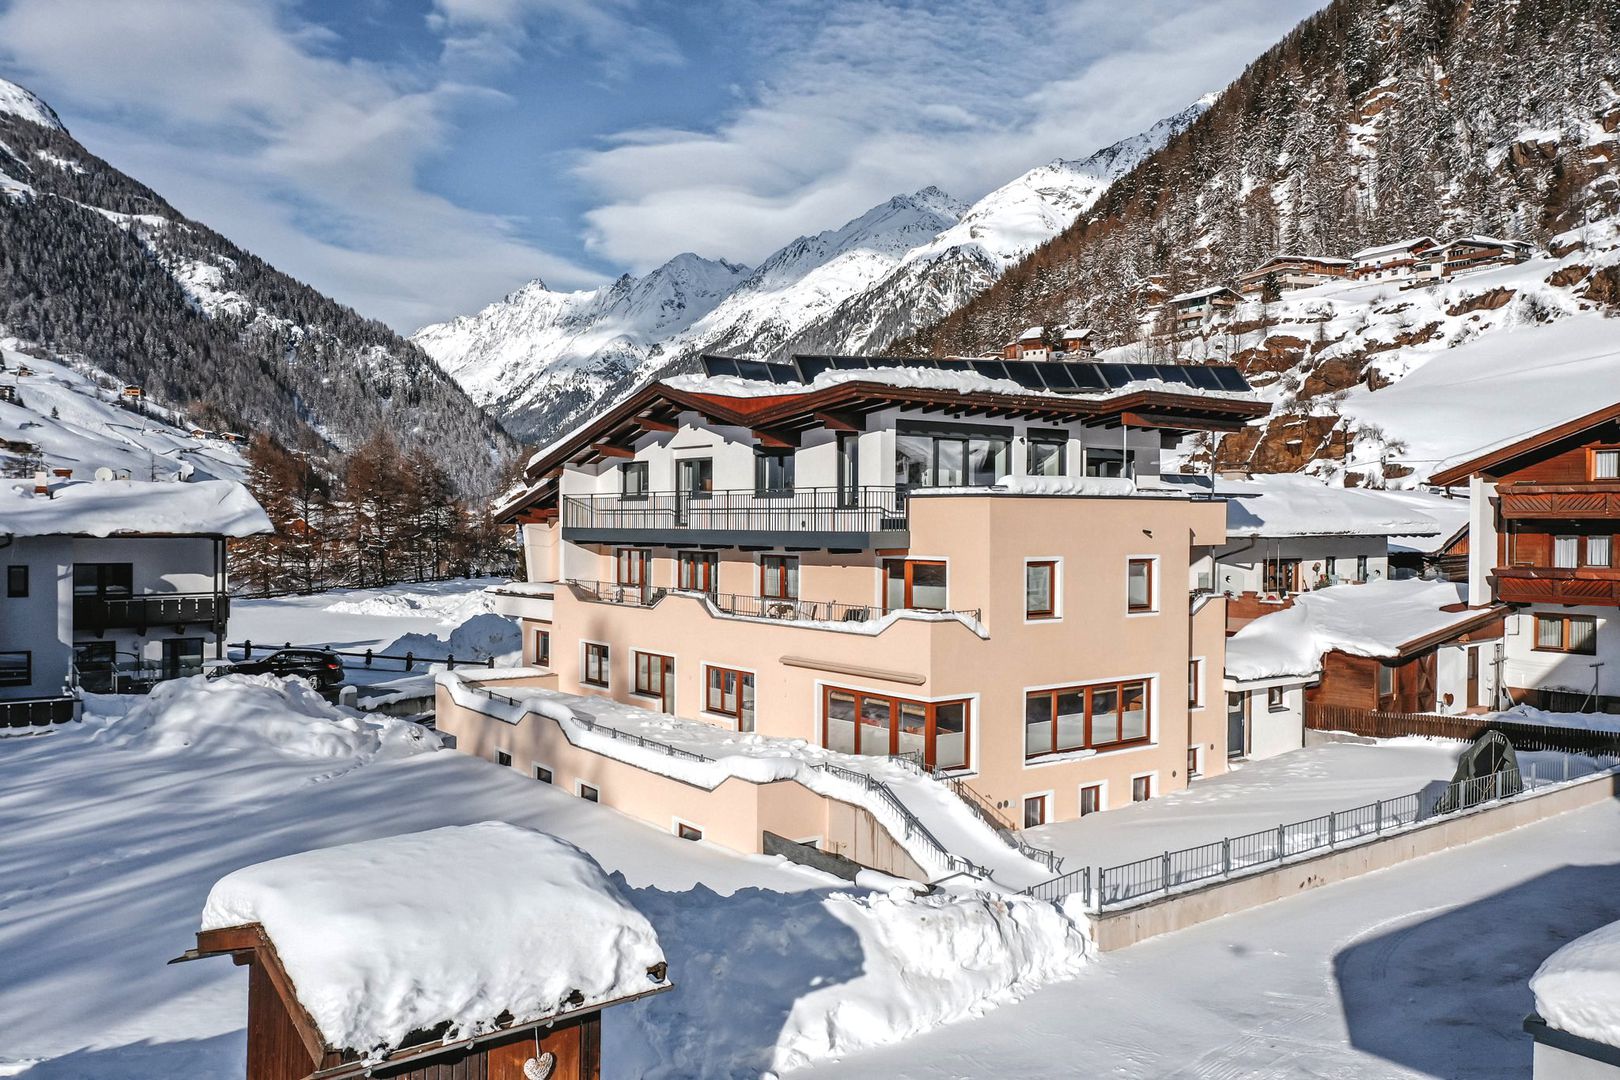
(1598, 550)
(542, 648)
(1037, 809)
(1195, 761)
(1276, 698)
(1093, 798)
(541, 772)
(588, 792)
(1606, 464)
(729, 692)
(687, 831)
(1142, 786)
(1566, 552)
(1042, 589)
(503, 758)
(1195, 683)
(596, 667)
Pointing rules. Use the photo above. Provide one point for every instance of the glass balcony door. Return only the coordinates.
(694, 481)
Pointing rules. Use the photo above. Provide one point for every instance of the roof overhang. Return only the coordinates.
(1456, 474)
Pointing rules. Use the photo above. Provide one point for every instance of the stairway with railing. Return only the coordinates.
(985, 811)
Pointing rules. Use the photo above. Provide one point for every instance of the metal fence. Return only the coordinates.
(1232, 856)
(749, 607)
(815, 509)
(367, 657)
(985, 811)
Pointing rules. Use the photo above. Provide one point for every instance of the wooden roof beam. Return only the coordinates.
(613, 451)
(776, 440)
(838, 421)
(648, 423)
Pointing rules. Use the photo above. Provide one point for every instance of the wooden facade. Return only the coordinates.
(283, 1042)
(1404, 683)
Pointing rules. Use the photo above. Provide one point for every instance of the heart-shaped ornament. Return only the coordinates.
(539, 1068)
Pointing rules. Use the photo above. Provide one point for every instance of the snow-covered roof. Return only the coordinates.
(1076, 333)
(1479, 240)
(1034, 333)
(1325, 260)
(920, 378)
(1290, 504)
(1421, 242)
(1198, 294)
(132, 508)
(461, 925)
(1577, 988)
(1375, 619)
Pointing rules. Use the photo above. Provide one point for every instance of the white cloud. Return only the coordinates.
(872, 97)
(498, 32)
(252, 124)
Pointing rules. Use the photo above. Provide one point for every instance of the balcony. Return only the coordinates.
(98, 613)
(1529, 502)
(1556, 585)
(853, 519)
(816, 612)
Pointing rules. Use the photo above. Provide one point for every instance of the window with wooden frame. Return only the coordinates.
(779, 577)
(1599, 551)
(1281, 576)
(699, 571)
(1040, 589)
(596, 670)
(1276, 698)
(877, 725)
(1046, 453)
(1386, 681)
(632, 567)
(654, 674)
(1193, 758)
(1139, 586)
(1091, 799)
(542, 648)
(1566, 634)
(1141, 788)
(1034, 811)
(729, 692)
(1605, 463)
(1099, 716)
(688, 832)
(1566, 552)
(633, 480)
(914, 585)
(16, 581)
(1195, 683)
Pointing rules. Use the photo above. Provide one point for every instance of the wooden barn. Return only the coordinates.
(337, 988)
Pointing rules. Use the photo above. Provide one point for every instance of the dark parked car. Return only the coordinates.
(321, 667)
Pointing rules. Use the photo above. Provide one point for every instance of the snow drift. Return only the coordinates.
(1577, 988)
(479, 638)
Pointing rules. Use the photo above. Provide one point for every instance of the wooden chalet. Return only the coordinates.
(1294, 272)
(1400, 259)
(1407, 682)
(1030, 345)
(1476, 253)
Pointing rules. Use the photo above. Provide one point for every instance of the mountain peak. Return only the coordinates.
(23, 103)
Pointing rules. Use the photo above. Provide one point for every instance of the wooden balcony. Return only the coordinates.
(1556, 585)
(1529, 502)
(97, 613)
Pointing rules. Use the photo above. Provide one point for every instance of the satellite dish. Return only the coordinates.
(104, 473)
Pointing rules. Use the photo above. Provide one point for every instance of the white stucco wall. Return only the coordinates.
(1525, 667)
(1242, 564)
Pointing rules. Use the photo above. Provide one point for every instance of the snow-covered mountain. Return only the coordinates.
(543, 360)
(538, 352)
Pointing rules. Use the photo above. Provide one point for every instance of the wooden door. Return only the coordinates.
(1473, 679)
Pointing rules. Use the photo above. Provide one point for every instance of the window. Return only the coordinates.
(589, 793)
(1141, 788)
(876, 725)
(542, 774)
(1090, 799)
(1046, 453)
(779, 577)
(633, 480)
(655, 674)
(730, 693)
(688, 832)
(1386, 681)
(1034, 811)
(16, 668)
(916, 584)
(503, 758)
(542, 648)
(1606, 464)
(849, 469)
(1598, 550)
(1282, 576)
(1566, 634)
(597, 670)
(1040, 589)
(699, 571)
(103, 579)
(182, 657)
(1139, 585)
(1100, 716)
(1195, 683)
(1105, 462)
(773, 472)
(951, 456)
(631, 567)
(1566, 552)
(1192, 763)
(16, 581)
(1277, 698)
(1361, 568)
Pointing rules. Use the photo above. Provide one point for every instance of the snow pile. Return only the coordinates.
(1374, 619)
(251, 713)
(113, 507)
(1577, 988)
(1529, 714)
(404, 601)
(459, 924)
(1067, 485)
(479, 638)
(799, 979)
(1289, 504)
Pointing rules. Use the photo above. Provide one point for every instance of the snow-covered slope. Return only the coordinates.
(542, 360)
(74, 417)
(538, 351)
(25, 104)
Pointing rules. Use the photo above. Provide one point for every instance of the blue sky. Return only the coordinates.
(420, 159)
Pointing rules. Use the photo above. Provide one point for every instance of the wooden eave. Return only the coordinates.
(1483, 618)
(1527, 445)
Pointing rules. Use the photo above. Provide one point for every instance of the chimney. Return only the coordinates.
(40, 485)
(62, 474)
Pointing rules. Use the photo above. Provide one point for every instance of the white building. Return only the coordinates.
(110, 582)
(1400, 261)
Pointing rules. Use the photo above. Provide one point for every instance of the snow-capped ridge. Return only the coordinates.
(23, 103)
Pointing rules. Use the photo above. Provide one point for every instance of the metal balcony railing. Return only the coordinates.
(751, 607)
(859, 511)
(101, 612)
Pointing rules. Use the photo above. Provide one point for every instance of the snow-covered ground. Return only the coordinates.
(117, 829)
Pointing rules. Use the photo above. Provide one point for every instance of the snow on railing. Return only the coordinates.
(1236, 856)
(985, 812)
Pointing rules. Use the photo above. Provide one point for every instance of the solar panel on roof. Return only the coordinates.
(719, 365)
(1056, 376)
(1024, 373)
(1140, 371)
(1231, 379)
(990, 369)
(1088, 378)
(1204, 378)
